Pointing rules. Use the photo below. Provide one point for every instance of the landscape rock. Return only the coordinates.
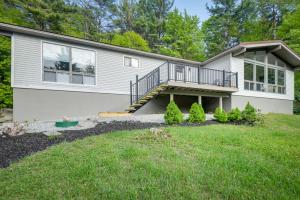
(13, 129)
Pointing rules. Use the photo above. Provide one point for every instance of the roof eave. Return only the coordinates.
(9, 29)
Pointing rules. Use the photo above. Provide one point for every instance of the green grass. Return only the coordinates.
(212, 162)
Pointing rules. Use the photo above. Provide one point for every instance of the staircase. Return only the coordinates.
(156, 81)
(147, 87)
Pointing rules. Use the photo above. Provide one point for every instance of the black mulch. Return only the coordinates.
(15, 148)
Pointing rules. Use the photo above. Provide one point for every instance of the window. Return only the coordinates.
(271, 59)
(131, 62)
(248, 74)
(250, 55)
(56, 61)
(271, 76)
(260, 73)
(264, 72)
(68, 65)
(260, 56)
(280, 77)
(83, 66)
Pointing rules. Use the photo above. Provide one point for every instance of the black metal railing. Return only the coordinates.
(180, 72)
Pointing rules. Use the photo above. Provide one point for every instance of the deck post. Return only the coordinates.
(199, 99)
(221, 102)
(130, 92)
(171, 97)
(137, 88)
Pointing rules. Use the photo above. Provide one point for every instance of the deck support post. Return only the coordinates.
(171, 97)
(221, 102)
(199, 99)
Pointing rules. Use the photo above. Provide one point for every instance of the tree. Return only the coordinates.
(130, 39)
(289, 32)
(125, 15)
(221, 29)
(182, 37)
(6, 99)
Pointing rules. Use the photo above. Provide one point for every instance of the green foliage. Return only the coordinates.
(246, 159)
(234, 21)
(221, 29)
(173, 115)
(196, 114)
(183, 38)
(6, 96)
(235, 115)
(289, 31)
(131, 40)
(249, 114)
(220, 115)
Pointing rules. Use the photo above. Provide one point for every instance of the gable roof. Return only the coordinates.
(277, 47)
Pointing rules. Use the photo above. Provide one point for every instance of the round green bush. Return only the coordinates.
(173, 115)
(235, 115)
(196, 113)
(220, 115)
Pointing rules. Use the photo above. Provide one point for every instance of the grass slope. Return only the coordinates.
(212, 162)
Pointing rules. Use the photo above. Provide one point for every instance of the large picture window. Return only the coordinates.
(68, 65)
(264, 72)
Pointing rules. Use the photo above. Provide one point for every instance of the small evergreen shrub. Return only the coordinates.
(197, 114)
(249, 114)
(220, 115)
(173, 115)
(260, 120)
(235, 115)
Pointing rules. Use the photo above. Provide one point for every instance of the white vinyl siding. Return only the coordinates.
(111, 75)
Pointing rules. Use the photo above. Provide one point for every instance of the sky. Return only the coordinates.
(194, 7)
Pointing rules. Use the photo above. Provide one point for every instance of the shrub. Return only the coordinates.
(235, 115)
(173, 115)
(260, 120)
(249, 114)
(197, 114)
(220, 115)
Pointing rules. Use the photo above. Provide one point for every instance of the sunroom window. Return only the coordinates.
(68, 65)
(264, 72)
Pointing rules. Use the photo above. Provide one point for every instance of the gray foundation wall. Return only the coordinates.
(266, 105)
(33, 104)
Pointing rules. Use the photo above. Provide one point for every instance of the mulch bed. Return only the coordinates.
(15, 148)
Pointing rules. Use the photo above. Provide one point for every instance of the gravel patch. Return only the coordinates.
(92, 121)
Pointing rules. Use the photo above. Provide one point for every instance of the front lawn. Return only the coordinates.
(211, 162)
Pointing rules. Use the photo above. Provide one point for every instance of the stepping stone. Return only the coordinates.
(52, 133)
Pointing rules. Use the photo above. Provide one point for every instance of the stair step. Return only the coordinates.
(143, 100)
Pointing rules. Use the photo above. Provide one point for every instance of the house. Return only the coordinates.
(55, 75)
